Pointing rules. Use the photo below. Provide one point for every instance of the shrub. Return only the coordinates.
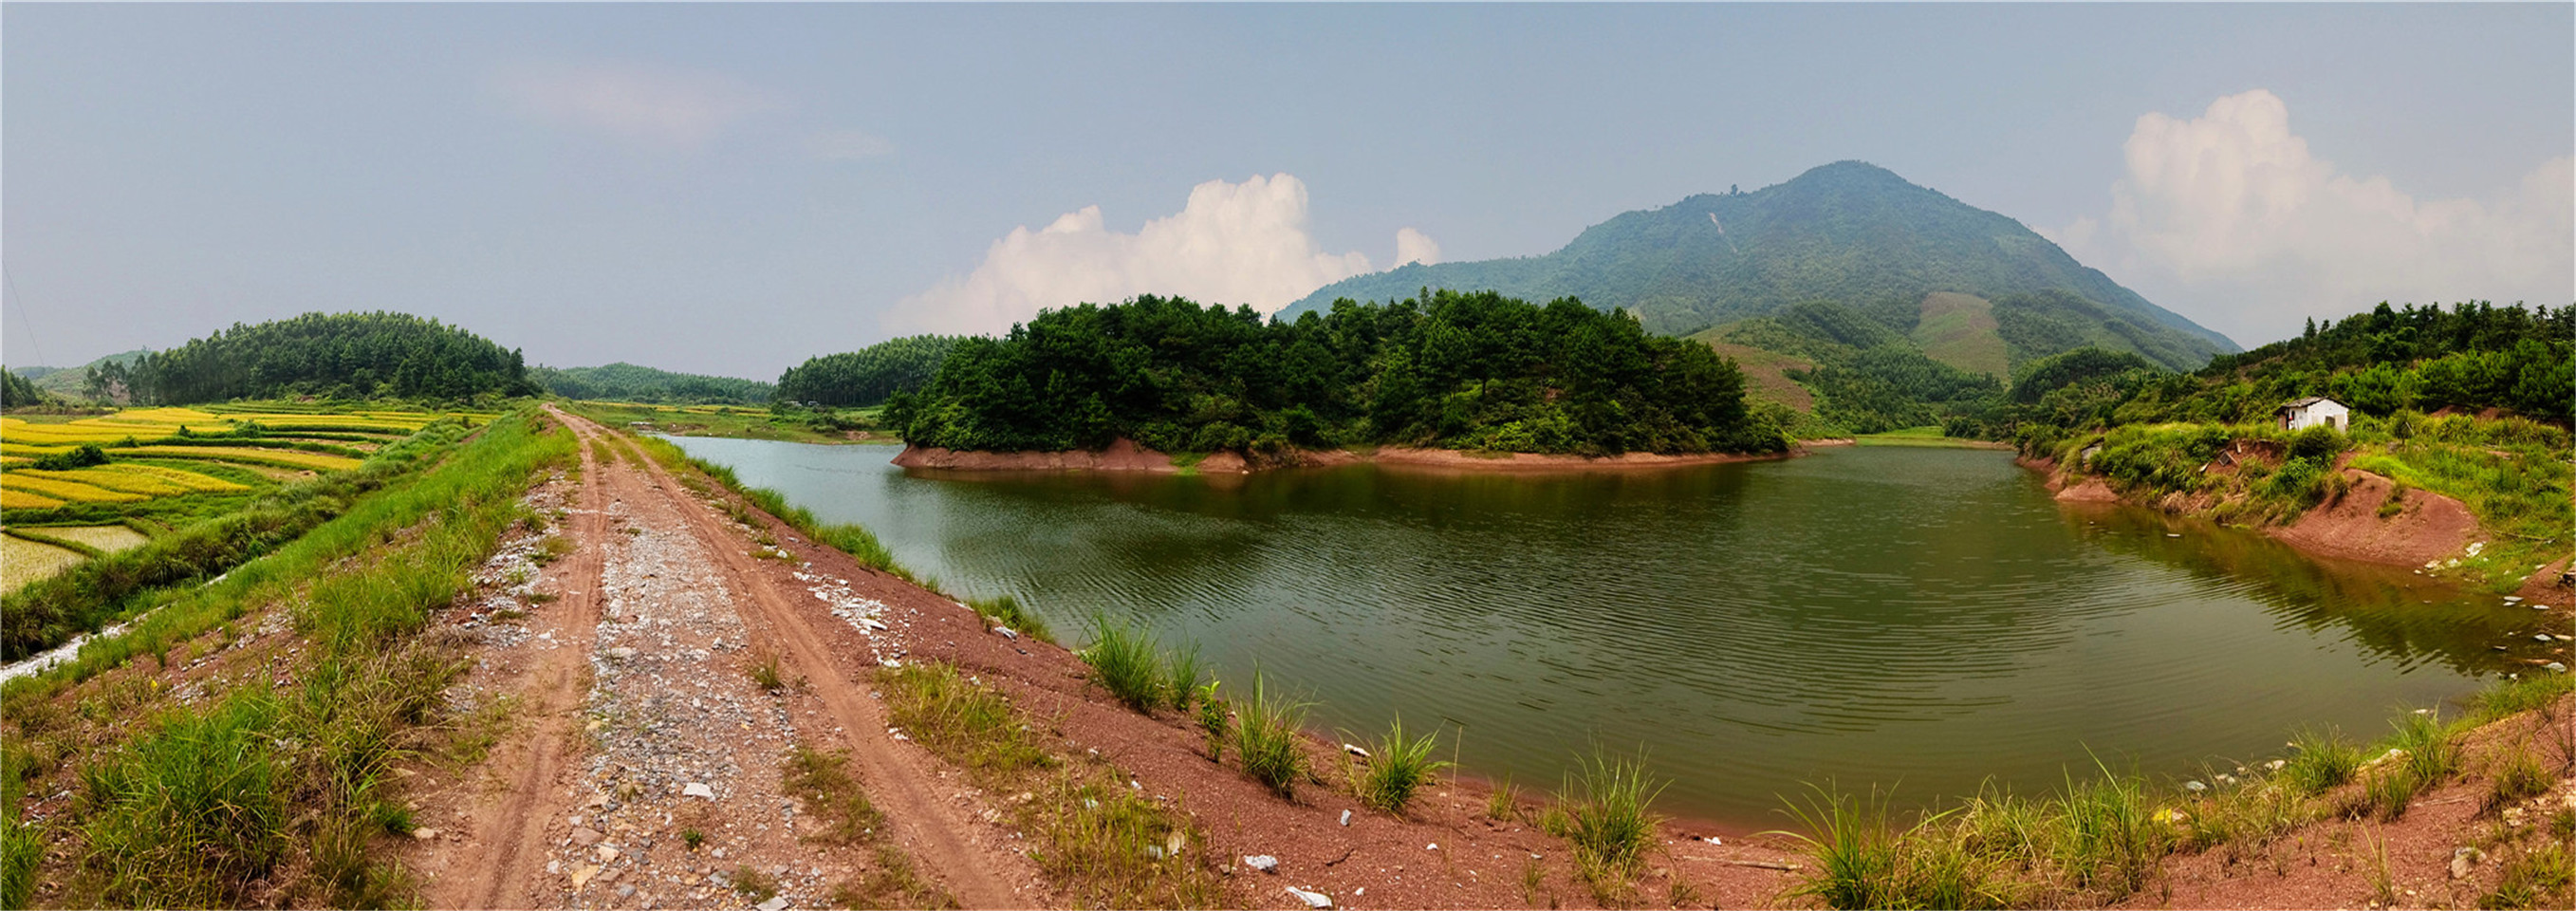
(2317, 443)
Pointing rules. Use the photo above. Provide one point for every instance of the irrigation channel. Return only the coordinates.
(1916, 618)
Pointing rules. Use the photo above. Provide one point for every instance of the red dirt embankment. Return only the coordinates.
(1125, 455)
(2426, 527)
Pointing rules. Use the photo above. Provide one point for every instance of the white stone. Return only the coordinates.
(1355, 750)
(698, 789)
(1316, 900)
(1007, 632)
(1262, 862)
(1346, 817)
(774, 904)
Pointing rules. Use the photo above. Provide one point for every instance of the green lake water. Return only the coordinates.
(1921, 618)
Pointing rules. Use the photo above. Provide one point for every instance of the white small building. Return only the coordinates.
(2314, 411)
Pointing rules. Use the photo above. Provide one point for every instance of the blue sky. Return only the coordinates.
(731, 189)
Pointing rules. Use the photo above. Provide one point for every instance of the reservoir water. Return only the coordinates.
(1919, 618)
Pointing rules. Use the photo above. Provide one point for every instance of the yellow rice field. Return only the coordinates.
(287, 457)
(19, 499)
(149, 480)
(71, 491)
(23, 561)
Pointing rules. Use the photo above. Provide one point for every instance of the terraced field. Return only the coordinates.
(165, 468)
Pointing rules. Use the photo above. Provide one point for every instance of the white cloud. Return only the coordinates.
(1233, 243)
(2251, 232)
(1413, 246)
(848, 145)
(631, 102)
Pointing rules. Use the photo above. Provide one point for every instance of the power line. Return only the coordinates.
(21, 298)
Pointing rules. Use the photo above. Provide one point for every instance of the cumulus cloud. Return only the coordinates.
(848, 145)
(2252, 232)
(631, 102)
(1233, 243)
(1413, 246)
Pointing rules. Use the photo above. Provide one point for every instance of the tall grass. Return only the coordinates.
(1397, 767)
(1266, 738)
(1127, 662)
(1609, 820)
(190, 814)
(2319, 760)
(1181, 675)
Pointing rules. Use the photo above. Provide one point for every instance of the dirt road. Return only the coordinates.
(644, 766)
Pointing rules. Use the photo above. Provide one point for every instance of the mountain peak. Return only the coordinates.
(1849, 232)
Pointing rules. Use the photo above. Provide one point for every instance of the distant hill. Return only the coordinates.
(634, 383)
(68, 381)
(335, 355)
(1850, 233)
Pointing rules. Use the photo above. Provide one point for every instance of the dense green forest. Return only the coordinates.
(1868, 377)
(336, 355)
(626, 382)
(18, 391)
(2469, 357)
(1849, 232)
(1466, 371)
(868, 376)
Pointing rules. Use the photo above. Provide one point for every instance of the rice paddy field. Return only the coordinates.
(166, 468)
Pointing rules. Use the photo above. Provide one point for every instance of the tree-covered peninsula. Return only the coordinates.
(1445, 370)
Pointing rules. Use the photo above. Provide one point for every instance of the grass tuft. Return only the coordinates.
(1125, 661)
(1266, 738)
(1397, 767)
(1612, 822)
(822, 782)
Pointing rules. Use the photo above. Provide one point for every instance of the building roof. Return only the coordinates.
(2304, 402)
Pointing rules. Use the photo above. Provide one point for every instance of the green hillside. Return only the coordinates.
(626, 382)
(71, 382)
(1848, 232)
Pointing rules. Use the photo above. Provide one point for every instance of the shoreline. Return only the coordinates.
(2428, 529)
(1125, 456)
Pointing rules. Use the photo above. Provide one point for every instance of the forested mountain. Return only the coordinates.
(341, 355)
(1467, 371)
(869, 375)
(626, 382)
(1849, 233)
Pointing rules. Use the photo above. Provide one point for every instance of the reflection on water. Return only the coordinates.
(1866, 615)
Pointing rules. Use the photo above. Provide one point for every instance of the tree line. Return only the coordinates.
(2471, 357)
(332, 355)
(867, 376)
(1475, 371)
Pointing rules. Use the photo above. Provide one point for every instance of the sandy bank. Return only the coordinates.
(1125, 455)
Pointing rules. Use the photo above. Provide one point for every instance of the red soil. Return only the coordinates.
(2429, 526)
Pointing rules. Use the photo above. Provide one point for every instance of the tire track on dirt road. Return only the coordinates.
(509, 838)
(904, 785)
